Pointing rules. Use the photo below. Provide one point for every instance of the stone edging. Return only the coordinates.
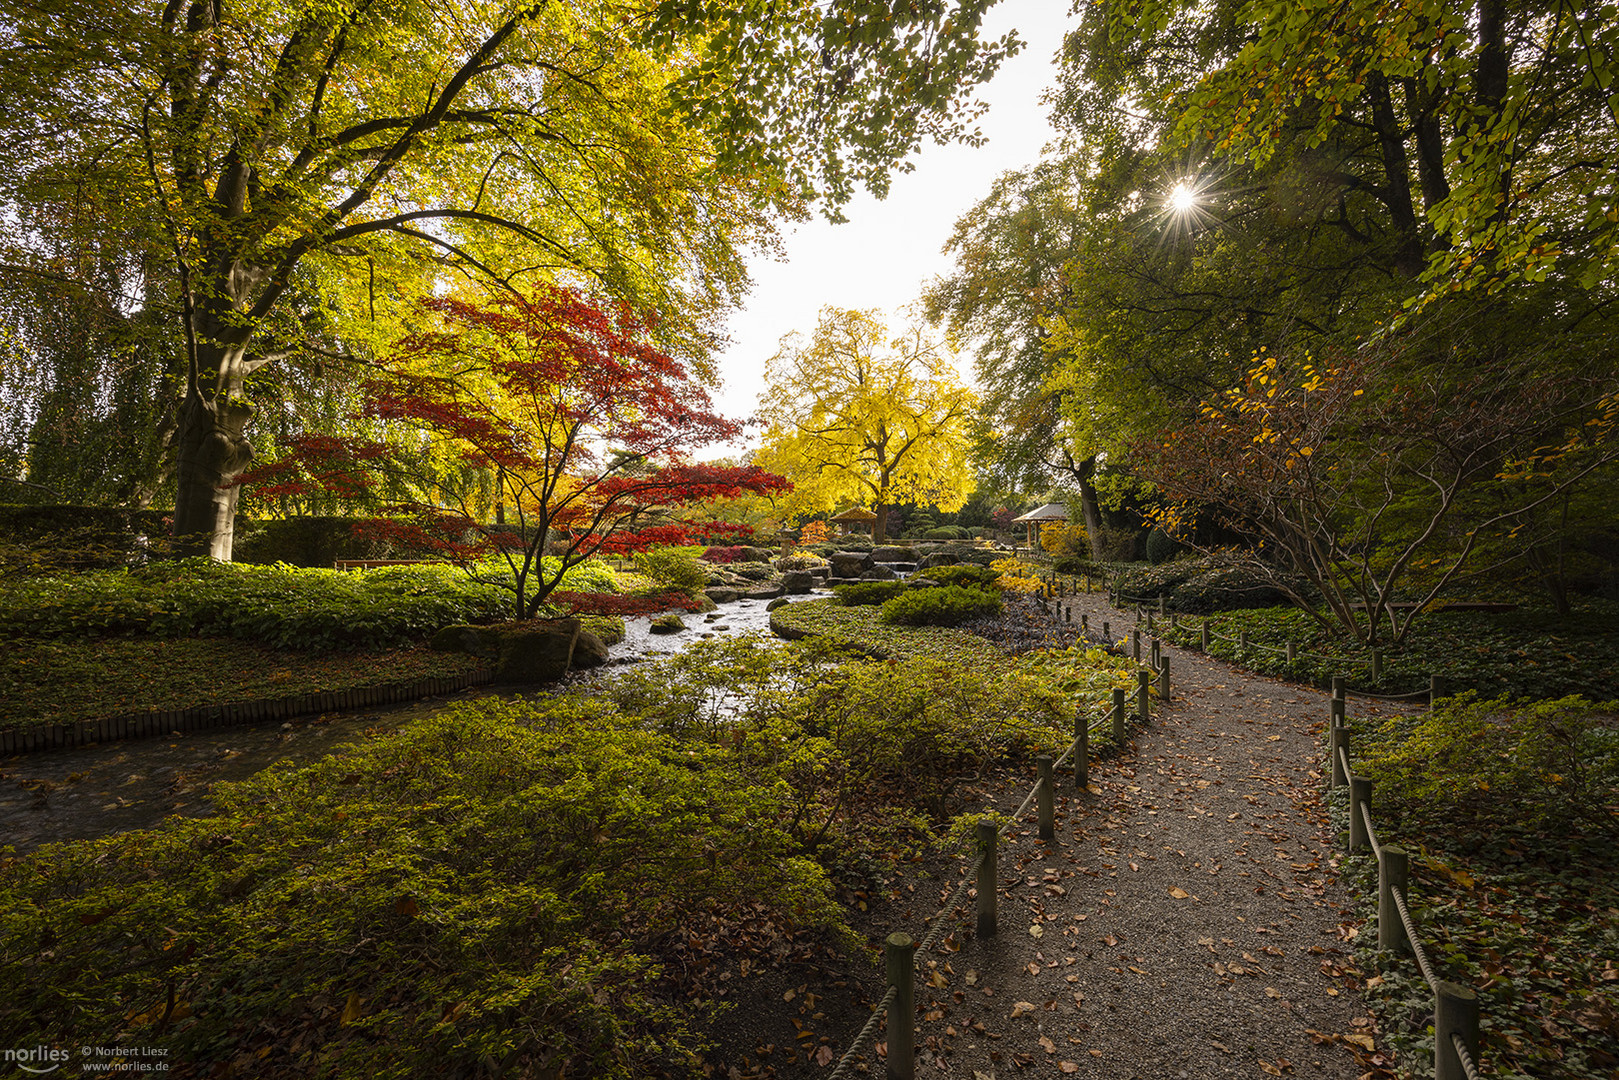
(31, 738)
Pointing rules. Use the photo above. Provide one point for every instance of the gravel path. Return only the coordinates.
(1186, 922)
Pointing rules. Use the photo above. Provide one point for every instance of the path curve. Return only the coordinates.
(1189, 920)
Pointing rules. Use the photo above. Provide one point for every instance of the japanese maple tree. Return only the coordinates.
(555, 408)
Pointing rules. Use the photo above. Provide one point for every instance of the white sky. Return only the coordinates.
(884, 254)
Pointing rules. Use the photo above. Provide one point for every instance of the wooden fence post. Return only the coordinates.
(1337, 707)
(1118, 716)
(1393, 872)
(1045, 798)
(1292, 650)
(1082, 751)
(1455, 1013)
(1163, 678)
(988, 874)
(1107, 634)
(1135, 645)
(902, 1014)
(1437, 688)
(1338, 687)
(1337, 739)
(1360, 805)
(1144, 695)
(1161, 602)
(1242, 643)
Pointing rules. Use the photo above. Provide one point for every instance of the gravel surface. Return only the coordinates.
(1187, 921)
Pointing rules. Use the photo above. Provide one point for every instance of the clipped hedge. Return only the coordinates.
(281, 606)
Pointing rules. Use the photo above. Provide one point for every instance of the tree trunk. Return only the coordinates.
(1089, 508)
(879, 528)
(211, 450)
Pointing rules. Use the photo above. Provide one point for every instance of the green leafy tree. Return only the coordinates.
(378, 146)
(854, 417)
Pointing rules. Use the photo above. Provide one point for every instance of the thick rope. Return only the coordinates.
(1465, 1056)
(1371, 832)
(859, 1046)
(1416, 941)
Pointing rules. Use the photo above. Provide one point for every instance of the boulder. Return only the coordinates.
(667, 623)
(879, 573)
(778, 602)
(721, 594)
(849, 564)
(797, 582)
(940, 558)
(538, 651)
(589, 651)
(763, 592)
(889, 553)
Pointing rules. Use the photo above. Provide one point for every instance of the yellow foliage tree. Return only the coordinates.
(855, 416)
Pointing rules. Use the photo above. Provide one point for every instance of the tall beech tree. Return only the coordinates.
(358, 141)
(584, 422)
(853, 415)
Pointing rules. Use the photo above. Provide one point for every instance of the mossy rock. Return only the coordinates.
(669, 622)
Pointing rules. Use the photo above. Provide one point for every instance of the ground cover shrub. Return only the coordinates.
(672, 568)
(947, 605)
(860, 629)
(1508, 808)
(864, 593)
(803, 561)
(966, 575)
(946, 532)
(494, 883)
(65, 680)
(849, 737)
(1542, 764)
(1532, 653)
(1015, 575)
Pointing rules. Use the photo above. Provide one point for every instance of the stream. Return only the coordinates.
(94, 791)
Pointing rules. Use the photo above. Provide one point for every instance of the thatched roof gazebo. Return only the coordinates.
(851, 519)
(1038, 517)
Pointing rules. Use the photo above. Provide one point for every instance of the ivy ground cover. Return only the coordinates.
(1527, 653)
(1509, 810)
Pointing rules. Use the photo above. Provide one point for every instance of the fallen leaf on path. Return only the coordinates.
(1021, 1007)
(1178, 893)
(823, 1056)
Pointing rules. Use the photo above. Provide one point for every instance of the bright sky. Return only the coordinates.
(884, 254)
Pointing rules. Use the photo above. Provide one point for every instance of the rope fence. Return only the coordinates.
(902, 952)
(1456, 1024)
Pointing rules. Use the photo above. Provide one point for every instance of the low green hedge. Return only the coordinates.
(281, 606)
